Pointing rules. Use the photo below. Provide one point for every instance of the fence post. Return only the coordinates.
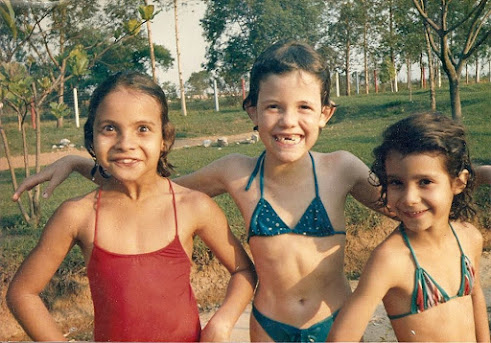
(215, 94)
(75, 103)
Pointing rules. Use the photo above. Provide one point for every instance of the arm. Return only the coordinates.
(56, 173)
(375, 281)
(33, 275)
(211, 179)
(362, 189)
(478, 299)
(483, 175)
(216, 234)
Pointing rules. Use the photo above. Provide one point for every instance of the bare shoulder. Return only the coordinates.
(340, 159)
(392, 253)
(73, 215)
(190, 199)
(469, 236)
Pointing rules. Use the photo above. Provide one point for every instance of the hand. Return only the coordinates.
(55, 173)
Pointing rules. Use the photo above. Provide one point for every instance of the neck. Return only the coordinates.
(277, 170)
(135, 190)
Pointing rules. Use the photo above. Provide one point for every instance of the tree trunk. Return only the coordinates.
(8, 156)
(478, 79)
(348, 71)
(455, 99)
(409, 88)
(179, 68)
(365, 58)
(431, 72)
(150, 45)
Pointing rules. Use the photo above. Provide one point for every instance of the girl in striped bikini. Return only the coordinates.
(427, 271)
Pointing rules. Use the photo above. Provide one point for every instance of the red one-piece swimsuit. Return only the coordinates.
(143, 297)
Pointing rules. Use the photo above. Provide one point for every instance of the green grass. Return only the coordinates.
(356, 127)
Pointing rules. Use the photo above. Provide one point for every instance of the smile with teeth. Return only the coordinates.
(126, 161)
(290, 139)
(414, 213)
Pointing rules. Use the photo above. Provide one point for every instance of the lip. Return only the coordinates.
(125, 161)
(413, 214)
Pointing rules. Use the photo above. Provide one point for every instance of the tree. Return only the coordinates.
(179, 67)
(199, 82)
(445, 19)
(43, 54)
(238, 30)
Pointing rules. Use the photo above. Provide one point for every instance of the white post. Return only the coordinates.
(357, 83)
(75, 103)
(215, 94)
(337, 84)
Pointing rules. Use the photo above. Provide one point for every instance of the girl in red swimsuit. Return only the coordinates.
(136, 232)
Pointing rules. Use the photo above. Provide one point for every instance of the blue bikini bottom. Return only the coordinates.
(281, 332)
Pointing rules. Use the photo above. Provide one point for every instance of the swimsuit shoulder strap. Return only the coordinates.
(406, 239)
(315, 175)
(97, 205)
(259, 165)
(174, 205)
(457, 238)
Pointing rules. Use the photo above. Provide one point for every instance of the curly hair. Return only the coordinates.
(141, 83)
(423, 133)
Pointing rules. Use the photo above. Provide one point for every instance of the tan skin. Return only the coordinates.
(423, 187)
(291, 268)
(136, 215)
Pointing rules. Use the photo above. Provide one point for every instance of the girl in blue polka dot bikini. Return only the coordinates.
(292, 199)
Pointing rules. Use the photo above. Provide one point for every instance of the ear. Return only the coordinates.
(252, 112)
(460, 182)
(326, 115)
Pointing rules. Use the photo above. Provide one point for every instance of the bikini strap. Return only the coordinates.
(256, 170)
(98, 202)
(315, 175)
(173, 204)
(457, 238)
(406, 239)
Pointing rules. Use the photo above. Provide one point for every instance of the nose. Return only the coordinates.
(126, 141)
(289, 117)
(410, 195)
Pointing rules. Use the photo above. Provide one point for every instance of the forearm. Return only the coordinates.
(34, 317)
(483, 175)
(239, 294)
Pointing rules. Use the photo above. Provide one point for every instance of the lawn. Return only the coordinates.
(356, 127)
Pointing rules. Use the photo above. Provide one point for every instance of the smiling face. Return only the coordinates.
(128, 138)
(420, 190)
(289, 114)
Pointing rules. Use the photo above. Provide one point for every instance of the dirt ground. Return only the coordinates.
(74, 313)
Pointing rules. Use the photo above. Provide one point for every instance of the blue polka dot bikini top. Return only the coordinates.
(266, 222)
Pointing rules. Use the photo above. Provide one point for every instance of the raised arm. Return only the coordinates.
(356, 313)
(34, 274)
(216, 234)
(214, 178)
(56, 173)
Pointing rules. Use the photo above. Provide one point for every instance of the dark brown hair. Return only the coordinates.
(433, 133)
(283, 57)
(140, 83)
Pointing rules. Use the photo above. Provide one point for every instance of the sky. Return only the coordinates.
(191, 40)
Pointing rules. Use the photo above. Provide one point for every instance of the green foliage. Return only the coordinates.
(132, 27)
(238, 30)
(59, 110)
(147, 12)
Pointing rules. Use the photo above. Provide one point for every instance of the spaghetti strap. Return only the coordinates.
(315, 175)
(174, 205)
(98, 202)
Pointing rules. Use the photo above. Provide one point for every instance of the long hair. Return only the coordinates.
(138, 82)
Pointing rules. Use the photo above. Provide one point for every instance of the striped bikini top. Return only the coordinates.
(266, 222)
(427, 292)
